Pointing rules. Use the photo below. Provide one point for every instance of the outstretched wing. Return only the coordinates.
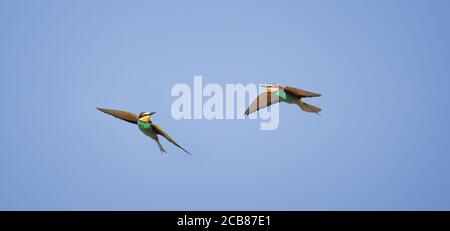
(123, 115)
(300, 93)
(263, 100)
(163, 133)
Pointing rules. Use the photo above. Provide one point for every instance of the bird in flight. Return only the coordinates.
(144, 123)
(276, 93)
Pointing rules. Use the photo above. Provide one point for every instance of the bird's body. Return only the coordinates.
(144, 124)
(277, 93)
(286, 97)
(150, 131)
(146, 128)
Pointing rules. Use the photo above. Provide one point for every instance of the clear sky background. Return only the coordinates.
(382, 142)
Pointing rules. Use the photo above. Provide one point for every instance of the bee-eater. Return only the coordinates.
(144, 123)
(276, 93)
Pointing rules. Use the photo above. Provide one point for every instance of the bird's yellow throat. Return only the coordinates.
(145, 119)
(272, 89)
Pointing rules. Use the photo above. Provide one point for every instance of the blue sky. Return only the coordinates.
(382, 142)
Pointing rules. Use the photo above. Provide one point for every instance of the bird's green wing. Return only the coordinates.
(163, 133)
(123, 115)
(263, 100)
(300, 93)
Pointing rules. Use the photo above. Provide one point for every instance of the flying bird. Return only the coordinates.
(144, 123)
(276, 93)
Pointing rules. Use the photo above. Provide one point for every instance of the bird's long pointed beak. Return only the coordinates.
(264, 85)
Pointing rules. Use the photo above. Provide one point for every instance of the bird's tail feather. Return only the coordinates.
(308, 107)
(161, 147)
